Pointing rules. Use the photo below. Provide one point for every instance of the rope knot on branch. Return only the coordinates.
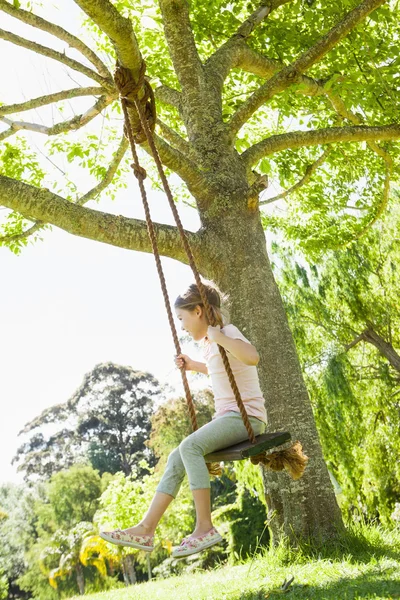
(129, 92)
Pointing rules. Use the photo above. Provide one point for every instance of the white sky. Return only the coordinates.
(68, 303)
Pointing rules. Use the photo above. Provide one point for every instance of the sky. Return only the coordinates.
(68, 303)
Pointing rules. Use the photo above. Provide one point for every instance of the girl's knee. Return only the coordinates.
(174, 457)
(189, 446)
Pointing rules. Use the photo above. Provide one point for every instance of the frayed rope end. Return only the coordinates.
(292, 459)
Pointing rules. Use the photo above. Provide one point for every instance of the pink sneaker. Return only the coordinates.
(122, 538)
(192, 545)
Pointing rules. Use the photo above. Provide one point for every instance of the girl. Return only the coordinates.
(224, 430)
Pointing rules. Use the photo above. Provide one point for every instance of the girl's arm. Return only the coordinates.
(243, 351)
(199, 367)
(190, 365)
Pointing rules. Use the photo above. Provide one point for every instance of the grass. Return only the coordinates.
(364, 565)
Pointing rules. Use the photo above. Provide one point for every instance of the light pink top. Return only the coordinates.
(246, 377)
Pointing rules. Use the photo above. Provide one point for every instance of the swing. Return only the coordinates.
(258, 449)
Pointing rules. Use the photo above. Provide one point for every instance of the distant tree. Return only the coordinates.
(3, 586)
(66, 549)
(17, 533)
(344, 314)
(107, 421)
(64, 516)
(72, 496)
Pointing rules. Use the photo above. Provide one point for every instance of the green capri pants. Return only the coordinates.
(223, 431)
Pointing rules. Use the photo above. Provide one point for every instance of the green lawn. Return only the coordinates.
(360, 569)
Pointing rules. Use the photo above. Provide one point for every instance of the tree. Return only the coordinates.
(108, 423)
(344, 315)
(63, 519)
(66, 548)
(229, 79)
(17, 533)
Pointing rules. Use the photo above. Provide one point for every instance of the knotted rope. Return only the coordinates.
(145, 108)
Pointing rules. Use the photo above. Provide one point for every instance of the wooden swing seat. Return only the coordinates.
(246, 449)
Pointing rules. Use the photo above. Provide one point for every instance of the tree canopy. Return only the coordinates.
(304, 93)
(106, 422)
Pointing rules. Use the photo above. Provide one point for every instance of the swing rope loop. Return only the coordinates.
(145, 108)
(129, 92)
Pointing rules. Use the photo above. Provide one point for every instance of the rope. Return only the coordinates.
(126, 85)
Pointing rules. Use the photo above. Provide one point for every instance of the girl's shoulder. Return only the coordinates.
(232, 331)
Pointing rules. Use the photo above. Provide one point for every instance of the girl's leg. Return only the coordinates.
(167, 489)
(157, 508)
(221, 432)
(202, 502)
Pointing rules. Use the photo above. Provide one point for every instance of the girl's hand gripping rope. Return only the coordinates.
(183, 361)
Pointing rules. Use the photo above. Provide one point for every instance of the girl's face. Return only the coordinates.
(193, 321)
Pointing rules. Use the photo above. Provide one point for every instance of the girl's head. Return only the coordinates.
(190, 310)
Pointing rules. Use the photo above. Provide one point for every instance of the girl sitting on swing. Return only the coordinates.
(224, 430)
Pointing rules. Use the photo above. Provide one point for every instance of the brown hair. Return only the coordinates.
(191, 298)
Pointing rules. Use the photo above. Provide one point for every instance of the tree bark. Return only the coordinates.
(80, 579)
(129, 570)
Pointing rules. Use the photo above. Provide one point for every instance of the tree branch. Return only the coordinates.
(329, 135)
(226, 57)
(119, 30)
(181, 44)
(90, 195)
(260, 14)
(50, 53)
(372, 337)
(173, 159)
(74, 42)
(292, 73)
(73, 124)
(167, 95)
(7, 133)
(344, 113)
(303, 181)
(41, 204)
(357, 340)
(174, 138)
(50, 98)
(25, 234)
(109, 176)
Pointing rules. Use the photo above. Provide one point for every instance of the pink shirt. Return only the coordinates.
(246, 377)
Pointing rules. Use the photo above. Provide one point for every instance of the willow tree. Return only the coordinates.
(297, 91)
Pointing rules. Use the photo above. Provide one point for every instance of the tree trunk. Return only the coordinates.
(129, 570)
(80, 579)
(111, 567)
(149, 575)
(301, 508)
